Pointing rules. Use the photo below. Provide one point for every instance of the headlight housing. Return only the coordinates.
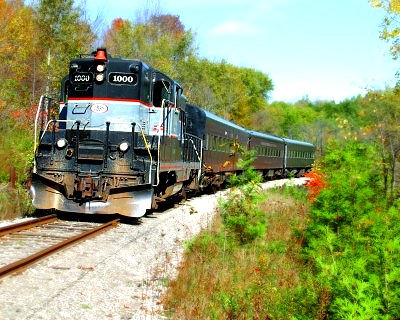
(100, 77)
(100, 67)
(61, 143)
(123, 146)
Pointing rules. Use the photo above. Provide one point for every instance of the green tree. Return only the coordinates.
(17, 52)
(161, 41)
(351, 238)
(286, 120)
(240, 211)
(63, 34)
(382, 116)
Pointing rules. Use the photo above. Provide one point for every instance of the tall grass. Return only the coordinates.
(223, 278)
(16, 150)
(14, 203)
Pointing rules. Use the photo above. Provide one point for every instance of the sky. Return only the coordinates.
(315, 49)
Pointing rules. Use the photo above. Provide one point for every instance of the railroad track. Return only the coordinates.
(25, 243)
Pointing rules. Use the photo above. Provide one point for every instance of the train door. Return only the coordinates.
(167, 95)
(176, 119)
(285, 157)
(161, 96)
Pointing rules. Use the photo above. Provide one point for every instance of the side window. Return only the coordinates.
(160, 92)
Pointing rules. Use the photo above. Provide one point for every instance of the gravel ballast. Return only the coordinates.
(120, 274)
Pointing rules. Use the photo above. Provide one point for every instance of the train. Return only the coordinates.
(124, 139)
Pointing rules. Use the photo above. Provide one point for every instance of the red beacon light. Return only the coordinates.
(101, 55)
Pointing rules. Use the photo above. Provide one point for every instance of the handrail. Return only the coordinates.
(199, 157)
(36, 120)
(148, 150)
(53, 121)
(161, 122)
(191, 138)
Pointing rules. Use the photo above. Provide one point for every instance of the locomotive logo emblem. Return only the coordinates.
(99, 108)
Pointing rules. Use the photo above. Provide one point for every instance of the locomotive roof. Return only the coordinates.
(91, 56)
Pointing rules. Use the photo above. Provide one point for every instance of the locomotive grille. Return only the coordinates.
(91, 150)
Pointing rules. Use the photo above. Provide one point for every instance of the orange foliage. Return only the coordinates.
(118, 23)
(24, 116)
(315, 184)
(169, 24)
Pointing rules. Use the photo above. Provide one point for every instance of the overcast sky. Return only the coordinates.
(320, 49)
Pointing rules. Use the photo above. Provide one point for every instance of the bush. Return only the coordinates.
(222, 278)
(240, 211)
(352, 239)
(16, 151)
(14, 202)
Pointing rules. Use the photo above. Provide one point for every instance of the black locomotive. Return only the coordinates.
(126, 139)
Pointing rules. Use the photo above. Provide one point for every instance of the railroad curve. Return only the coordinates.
(120, 274)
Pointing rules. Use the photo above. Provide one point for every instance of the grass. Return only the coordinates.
(16, 151)
(265, 279)
(14, 203)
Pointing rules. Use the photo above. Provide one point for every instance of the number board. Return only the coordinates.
(122, 78)
(82, 77)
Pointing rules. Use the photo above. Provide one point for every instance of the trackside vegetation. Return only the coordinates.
(351, 239)
(327, 250)
(40, 38)
(248, 265)
(240, 212)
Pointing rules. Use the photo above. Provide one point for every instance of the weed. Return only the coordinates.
(240, 211)
(15, 202)
(222, 278)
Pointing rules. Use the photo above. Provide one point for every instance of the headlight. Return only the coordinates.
(99, 77)
(100, 67)
(61, 143)
(123, 146)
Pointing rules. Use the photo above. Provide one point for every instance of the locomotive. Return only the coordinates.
(125, 139)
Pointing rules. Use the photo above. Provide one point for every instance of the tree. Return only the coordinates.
(391, 27)
(162, 41)
(17, 39)
(382, 128)
(232, 92)
(351, 238)
(63, 34)
(286, 120)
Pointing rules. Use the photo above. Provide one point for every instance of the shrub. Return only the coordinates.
(14, 202)
(221, 278)
(315, 183)
(240, 211)
(352, 239)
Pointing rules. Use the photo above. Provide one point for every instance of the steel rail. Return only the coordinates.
(24, 263)
(27, 224)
